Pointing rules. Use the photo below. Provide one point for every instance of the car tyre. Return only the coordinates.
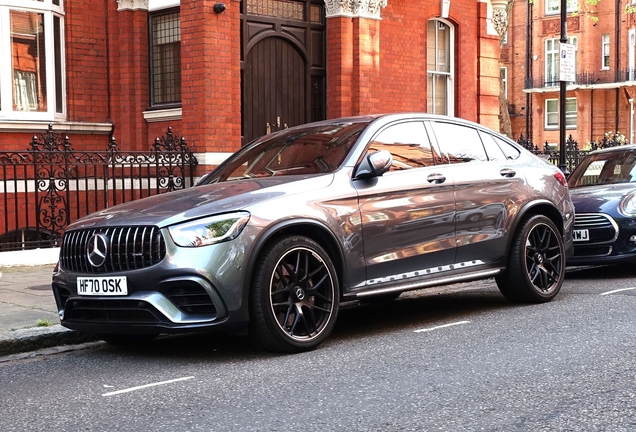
(536, 262)
(294, 296)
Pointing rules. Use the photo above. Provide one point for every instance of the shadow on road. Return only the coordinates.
(599, 272)
(413, 310)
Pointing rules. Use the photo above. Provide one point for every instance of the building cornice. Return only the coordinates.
(355, 8)
(124, 5)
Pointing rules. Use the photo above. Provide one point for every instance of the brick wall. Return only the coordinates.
(210, 64)
(373, 66)
(385, 68)
(87, 61)
(600, 108)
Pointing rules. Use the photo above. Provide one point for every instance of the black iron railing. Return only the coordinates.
(573, 154)
(50, 185)
(583, 78)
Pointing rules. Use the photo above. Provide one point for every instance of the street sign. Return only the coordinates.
(567, 64)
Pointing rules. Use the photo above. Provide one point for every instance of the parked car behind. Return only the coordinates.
(603, 187)
(298, 221)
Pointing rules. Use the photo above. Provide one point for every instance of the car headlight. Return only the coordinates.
(627, 205)
(210, 230)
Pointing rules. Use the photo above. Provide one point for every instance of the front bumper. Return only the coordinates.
(607, 245)
(190, 289)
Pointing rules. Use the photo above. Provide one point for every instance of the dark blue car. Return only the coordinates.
(603, 190)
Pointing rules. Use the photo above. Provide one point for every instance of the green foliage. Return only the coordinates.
(44, 323)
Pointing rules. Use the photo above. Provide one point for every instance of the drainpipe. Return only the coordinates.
(592, 115)
(529, 68)
(631, 121)
(617, 25)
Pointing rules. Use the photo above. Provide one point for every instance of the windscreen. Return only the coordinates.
(315, 149)
(605, 168)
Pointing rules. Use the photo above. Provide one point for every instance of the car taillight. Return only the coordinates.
(560, 177)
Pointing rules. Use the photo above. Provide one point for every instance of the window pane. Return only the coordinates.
(28, 61)
(552, 113)
(461, 143)
(570, 112)
(492, 149)
(409, 145)
(439, 58)
(57, 46)
(166, 58)
(509, 150)
(287, 9)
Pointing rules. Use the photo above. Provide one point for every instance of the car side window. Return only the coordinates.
(409, 145)
(493, 151)
(509, 150)
(460, 143)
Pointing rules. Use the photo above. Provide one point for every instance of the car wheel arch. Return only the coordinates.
(306, 227)
(543, 207)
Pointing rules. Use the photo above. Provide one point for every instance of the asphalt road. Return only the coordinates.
(458, 359)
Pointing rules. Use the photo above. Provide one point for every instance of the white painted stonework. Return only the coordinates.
(355, 8)
(123, 5)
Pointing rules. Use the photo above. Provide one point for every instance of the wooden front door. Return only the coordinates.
(283, 64)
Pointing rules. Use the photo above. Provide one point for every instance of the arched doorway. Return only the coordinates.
(283, 64)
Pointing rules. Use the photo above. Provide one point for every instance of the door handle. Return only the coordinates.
(508, 172)
(436, 178)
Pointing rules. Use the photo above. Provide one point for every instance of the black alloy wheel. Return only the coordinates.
(536, 263)
(295, 296)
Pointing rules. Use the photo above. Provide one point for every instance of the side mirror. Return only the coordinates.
(374, 164)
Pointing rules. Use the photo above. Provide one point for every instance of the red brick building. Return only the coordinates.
(601, 99)
(220, 73)
(223, 72)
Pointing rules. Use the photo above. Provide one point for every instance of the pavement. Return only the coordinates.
(28, 315)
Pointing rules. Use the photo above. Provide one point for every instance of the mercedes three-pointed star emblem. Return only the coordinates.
(97, 250)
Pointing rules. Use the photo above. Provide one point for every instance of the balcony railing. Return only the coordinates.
(583, 79)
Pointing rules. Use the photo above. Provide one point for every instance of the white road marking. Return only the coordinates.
(617, 290)
(441, 327)
(146, 385)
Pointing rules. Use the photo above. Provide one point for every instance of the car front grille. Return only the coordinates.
(128, 248)
(602, 228)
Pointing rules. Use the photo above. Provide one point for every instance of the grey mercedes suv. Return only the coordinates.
(298, 221)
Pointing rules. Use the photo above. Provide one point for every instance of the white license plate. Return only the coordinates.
(102, 286)
(581, 235)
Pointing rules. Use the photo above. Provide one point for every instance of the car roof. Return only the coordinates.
(628, 147)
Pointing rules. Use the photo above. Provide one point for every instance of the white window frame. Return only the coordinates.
(570, 115)
(450, 76)
(503, 73)
(552, 59)
(49, 10)
(605, 51)
(553, 7)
